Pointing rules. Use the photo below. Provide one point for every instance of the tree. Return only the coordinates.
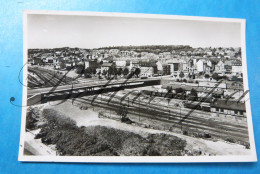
(224, 77)
(80, 69)
(137, 72)
(30, 120)
(215, 76)
(206, 76)
(193, 95)
(62, 65)
(179, 90)
(193, 92)
(99, 73)
(88, 72)
(112, 70)
(169, 89)
(125, 71)
(181, 75)
(119, 71)
(94, 71)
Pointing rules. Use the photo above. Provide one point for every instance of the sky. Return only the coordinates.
(54, 31)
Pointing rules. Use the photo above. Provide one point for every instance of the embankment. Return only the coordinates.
(72, 140)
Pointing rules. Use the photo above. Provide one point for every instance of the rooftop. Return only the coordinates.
(229, 104)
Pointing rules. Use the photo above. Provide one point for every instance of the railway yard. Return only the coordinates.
(153, 112)
(40, 78)
(190, 122)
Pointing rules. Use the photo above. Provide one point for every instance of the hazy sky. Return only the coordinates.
(53, 31)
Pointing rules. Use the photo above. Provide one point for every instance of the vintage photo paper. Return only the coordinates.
(116, 87)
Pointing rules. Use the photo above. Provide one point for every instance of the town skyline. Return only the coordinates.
(107, 47)
(50, 31)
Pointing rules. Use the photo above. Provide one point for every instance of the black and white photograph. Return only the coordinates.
(118, 87)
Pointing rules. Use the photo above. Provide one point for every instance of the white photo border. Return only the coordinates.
(137, 159)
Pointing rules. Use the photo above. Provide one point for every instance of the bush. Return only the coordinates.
(231, 140)
(215, 76)
(206, 76)
(247, 145)
(179, 90)
(30, 120)
(83, 141)
(80, 69)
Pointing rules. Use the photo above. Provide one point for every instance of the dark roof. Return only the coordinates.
(165, 64)
(198, 89)
(148, 64)
(229, 104)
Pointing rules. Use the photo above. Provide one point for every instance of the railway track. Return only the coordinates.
(195, 121)
(163, 113)
(199, 115)
(215, 129)
(50, 79)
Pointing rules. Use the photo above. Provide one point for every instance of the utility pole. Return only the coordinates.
(178, 105)
(169, 109)
(139, 108)
(180, 118)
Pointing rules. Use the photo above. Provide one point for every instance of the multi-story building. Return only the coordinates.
(148, 69)
(166, 69)
(236, 68)
(91, 64)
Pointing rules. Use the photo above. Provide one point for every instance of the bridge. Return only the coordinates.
(43, 95)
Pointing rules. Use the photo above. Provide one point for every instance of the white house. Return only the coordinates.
(200, 65)
(220, 67)
(159, 66)
(120, 63)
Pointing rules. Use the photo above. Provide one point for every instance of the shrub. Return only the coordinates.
(231, 140)
(30, 120)
(179, 90)
(78, 141)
